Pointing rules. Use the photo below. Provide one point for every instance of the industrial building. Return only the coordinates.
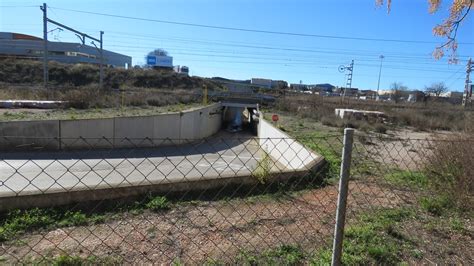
(15, 45)
(260, 82)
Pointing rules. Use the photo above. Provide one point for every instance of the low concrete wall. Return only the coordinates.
(119, 132)
(285, 150)
(167, 128)
(134, 131)
(94, 133)
(31, 134)
(190, 125)
(211, 121)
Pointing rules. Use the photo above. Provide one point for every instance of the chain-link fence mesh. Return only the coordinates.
(232, 199)
(410, 200)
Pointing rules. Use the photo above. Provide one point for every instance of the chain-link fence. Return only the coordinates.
(231, 199)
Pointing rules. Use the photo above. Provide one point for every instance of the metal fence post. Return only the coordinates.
(342, 198)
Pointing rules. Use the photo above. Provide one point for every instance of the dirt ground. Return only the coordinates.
(402, 149)
(194, 232)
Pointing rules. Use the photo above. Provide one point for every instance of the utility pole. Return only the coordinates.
(101, 67)
(349, 76)
(380, 73)
(467, 96)
(45, 45)
(82, 36)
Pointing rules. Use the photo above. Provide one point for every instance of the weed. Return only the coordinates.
(262, 170)
(17, 222)
(321, 145)
(73, 219)
(457, 225)
(416, 253)
(63, 260)
(159, 203)
(374, 239)
(407, 178)
(282, 255)
(436, 205)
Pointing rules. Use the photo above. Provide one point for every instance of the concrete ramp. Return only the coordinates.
(289, 154)
(49, 178)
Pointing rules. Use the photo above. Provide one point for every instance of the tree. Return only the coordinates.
(436, 89)
(448, 28)
(159, 51)
(398, 90)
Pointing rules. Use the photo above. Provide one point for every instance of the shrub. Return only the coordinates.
(79, 99)
(332, 121)
(82, 74)
(451, 171)
(155, 101)
(136, 101)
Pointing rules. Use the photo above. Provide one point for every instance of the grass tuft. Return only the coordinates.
(159, 203)
(407, 178)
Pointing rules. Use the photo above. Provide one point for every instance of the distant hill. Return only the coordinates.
(31, 72)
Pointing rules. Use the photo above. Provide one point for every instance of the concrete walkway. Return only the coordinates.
(53, 172)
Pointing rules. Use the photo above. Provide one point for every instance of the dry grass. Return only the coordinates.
(451, 169)
(64, 75)
(420, 116)
(77, 84)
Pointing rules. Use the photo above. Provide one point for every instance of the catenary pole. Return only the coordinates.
(45, 45)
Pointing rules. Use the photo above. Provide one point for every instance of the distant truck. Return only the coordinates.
(181, 70)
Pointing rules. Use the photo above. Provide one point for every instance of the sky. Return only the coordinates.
(211, 52)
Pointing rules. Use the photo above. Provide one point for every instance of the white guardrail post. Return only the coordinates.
(342, 198)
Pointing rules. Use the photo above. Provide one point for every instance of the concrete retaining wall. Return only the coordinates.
(134, 131)
(167, 128)
(119, 132)
(31, 134)
(285, 150)
(98, 133)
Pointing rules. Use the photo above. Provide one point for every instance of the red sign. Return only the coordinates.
(275, 118)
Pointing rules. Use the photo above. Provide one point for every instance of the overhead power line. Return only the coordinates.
(16, 6)
(247, 30)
